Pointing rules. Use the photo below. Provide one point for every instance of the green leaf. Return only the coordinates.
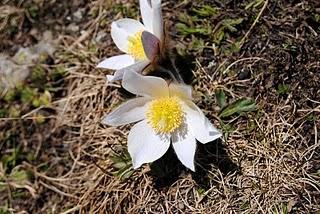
(238, 107)
(226, 129)
(119, 165)
(220, 98)
(122, 165)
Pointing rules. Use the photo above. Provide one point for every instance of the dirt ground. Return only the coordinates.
(255, 69)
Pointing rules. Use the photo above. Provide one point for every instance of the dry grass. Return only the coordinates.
(267, 162)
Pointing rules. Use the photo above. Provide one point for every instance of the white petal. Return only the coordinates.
(136, 67)
(131, 111)
(144, 145)
(181, 90)
(118, 75)
(157, 20)
(148, 86)
(200, 126)
(146, 13)
(122, 29)
(110, 78)
(117, 62)
(185, 147)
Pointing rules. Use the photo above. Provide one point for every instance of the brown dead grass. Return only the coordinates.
(276, 158)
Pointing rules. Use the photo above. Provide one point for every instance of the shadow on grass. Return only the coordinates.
(166, 170)
(176, 67)
(212, 153)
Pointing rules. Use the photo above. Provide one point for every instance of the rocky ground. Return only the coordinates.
(254, 66)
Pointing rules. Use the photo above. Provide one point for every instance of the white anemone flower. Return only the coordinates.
(166, 115)
(140, 42)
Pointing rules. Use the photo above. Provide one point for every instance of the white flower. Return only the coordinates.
(140, 42)
(165, 115)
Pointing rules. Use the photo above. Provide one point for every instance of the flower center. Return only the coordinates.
(165, 114)
(135, 46)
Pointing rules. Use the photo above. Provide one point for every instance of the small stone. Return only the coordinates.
(78, 15)
(47, 36)
(34, 32)
(72, 28)
(100, 37)
(244, 75)
(181, 205)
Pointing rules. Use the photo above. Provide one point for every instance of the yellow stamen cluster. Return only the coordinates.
(165, 114)
(135, 46)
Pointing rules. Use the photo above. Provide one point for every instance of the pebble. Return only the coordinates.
(244, 75)
(78, 15)
(181, 205)
(72, 28)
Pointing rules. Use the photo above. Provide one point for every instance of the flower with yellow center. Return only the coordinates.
(164, 114)
(127, 34)
(135, 46)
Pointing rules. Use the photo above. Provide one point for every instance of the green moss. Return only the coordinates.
(200, 30)
(43, 58)
(45, 98)
(36, 103)
(126, 10)
(10, 95)
(3, 113)
(185, 30)
(93, 48)
(206, 11)
(311, 118)
(4, 210)
(254, 4)
(201, 191)
(283, 89)
(316, 17)
(33, 10)
(231, 24)
(38, 74)
(227, 129)
(10, 160)
(14, 112)
(58, 73)
(40, 119)
(27, 94)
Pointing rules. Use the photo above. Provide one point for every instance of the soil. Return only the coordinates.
(267, 162)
